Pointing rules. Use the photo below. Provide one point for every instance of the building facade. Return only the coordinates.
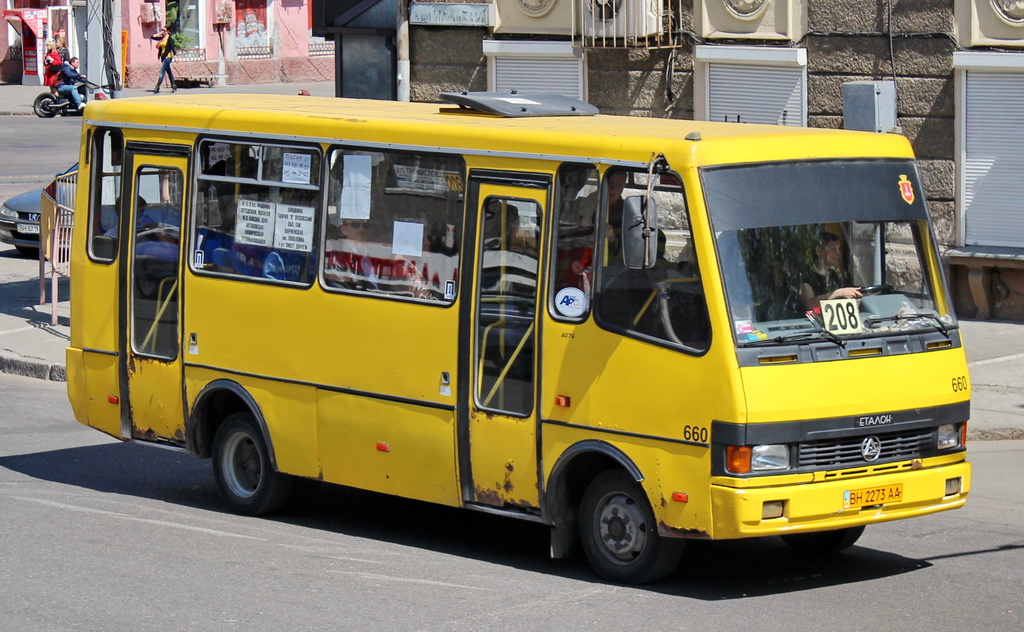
(228, 41)
(956, 65)
(219, 41)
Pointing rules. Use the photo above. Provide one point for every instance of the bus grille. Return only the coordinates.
(845, 452)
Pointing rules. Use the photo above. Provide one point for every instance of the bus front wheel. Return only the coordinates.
(243, 471)
(619, 533)
(823, 542)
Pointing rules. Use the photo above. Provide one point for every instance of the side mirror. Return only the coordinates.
(639, 232)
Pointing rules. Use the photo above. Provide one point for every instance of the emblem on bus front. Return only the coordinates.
(906, 189)
(871, 448)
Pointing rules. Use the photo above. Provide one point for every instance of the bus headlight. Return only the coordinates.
(948, 437)
(769, 457)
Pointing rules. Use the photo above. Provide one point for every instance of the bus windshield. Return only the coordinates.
(825, 249)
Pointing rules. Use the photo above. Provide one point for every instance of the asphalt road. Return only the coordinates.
(36, 149)
(99, 535)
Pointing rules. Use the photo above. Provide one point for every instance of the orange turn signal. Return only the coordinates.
(737, 459)
(680, 497)
(383, 446)
(562, 401)
(113, 399)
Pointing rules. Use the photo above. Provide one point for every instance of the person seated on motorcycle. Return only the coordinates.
(69, 76)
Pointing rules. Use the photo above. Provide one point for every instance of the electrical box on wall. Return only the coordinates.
(869, 106)
(989, 22)
(751, 19)
(549, 17)
(149, 13)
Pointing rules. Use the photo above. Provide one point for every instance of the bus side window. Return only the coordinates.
(393, 224)
(257, 210)
(665, 303)
(105, 204)
(575, 240)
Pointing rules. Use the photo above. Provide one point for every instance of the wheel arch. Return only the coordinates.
(572, 472)
(216, 402)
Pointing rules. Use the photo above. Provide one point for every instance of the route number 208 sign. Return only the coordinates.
(841, 316)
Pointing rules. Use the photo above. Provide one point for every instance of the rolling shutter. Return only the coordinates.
(993, 200)
(560, 75)
(757, 94)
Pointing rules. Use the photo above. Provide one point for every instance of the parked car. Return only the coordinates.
(19, 219)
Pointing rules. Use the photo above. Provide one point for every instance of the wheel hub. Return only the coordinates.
(621, 527)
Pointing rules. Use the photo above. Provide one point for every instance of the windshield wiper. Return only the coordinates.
(828, 334)
(795, 337)
(934, 320)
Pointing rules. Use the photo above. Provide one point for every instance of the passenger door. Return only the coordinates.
(498, 412)
(152, 407)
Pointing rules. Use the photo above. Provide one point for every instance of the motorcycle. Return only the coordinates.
(49, 105)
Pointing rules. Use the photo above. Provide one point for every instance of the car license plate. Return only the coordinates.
(869, 496)
(28, 229)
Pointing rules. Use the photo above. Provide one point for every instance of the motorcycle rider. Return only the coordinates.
(69, 76)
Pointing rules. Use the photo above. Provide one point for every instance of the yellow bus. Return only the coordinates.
(635, 331)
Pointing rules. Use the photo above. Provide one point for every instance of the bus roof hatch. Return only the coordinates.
(518, 104)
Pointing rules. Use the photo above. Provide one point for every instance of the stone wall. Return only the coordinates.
(245, 72)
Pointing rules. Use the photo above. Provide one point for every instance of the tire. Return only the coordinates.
(619, 532)
(43, 106)
(823, 542)
(245, 476)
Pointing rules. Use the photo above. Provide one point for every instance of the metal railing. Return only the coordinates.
(56, 220)
(319, 47)
(628, 23)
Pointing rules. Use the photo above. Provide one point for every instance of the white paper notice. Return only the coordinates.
(296, 168)
(218, 152)
(408, 239)
(254, 223)
(293, 229)
(355, 187)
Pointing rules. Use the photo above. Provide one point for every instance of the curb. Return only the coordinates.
(32, 367)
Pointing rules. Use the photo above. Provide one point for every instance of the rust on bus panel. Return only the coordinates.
(501, 494)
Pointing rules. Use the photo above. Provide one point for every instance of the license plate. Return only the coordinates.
(869, 496)
(28, 229)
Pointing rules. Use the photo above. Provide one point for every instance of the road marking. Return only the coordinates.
(18, 330)
(112, 514)
(408, 580)
(1009, 358)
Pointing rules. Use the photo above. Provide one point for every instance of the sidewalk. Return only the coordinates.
(30, 346)
(16, 99)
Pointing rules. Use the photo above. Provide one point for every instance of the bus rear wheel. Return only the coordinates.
(245, 476)
(823, 542)
(619, 533)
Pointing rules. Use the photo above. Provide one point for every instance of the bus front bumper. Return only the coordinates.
(832, 504)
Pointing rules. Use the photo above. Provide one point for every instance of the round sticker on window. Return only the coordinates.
(571, 302)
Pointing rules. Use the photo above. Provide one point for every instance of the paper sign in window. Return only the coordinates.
(293, 227)
(254, 223)
(218, 152)
(355, 187)
(408, 239)
(296, 168)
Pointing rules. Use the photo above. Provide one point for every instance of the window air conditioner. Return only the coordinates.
(989, 22)
(751, 19)
(621, 18)
(549, 17)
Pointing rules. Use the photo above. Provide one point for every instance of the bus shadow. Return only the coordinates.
(709, 571)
